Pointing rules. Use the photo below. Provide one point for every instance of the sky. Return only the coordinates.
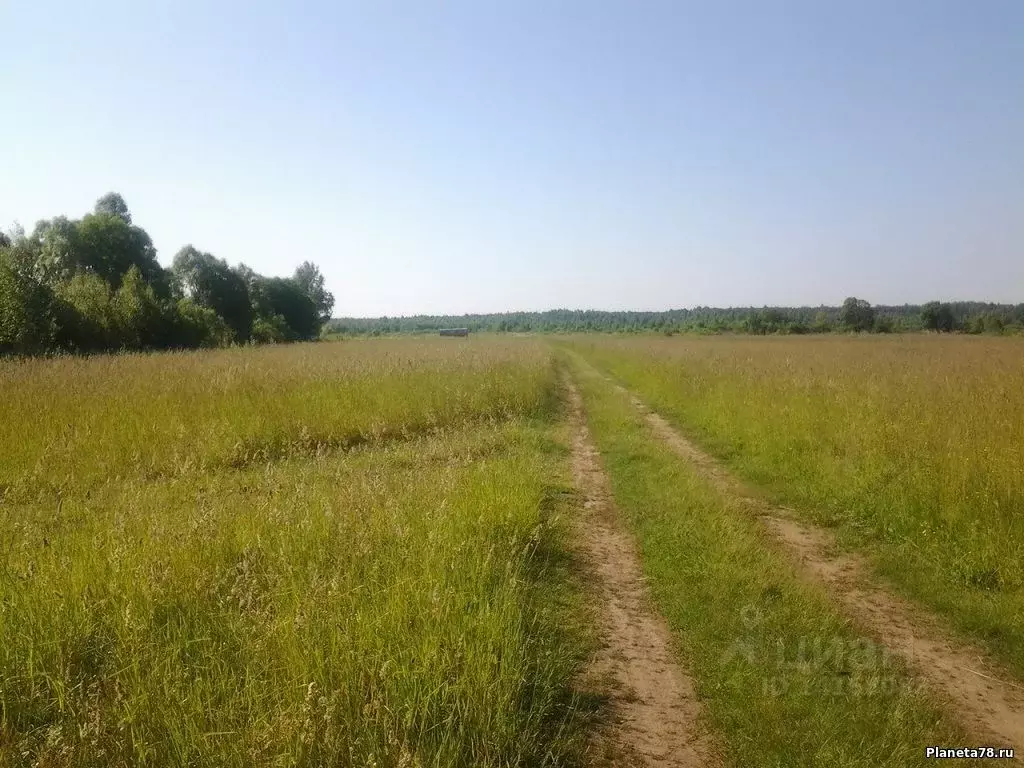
(498, 155)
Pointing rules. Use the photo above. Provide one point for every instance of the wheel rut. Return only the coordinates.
(654, 712)
(988, 705)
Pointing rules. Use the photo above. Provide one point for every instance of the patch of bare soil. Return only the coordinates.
(654, 709)
(987, 704)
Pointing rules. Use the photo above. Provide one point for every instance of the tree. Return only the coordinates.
(54, 244)
(109, 246)
(276, 296)
(211, 283)
(821, 323)
(139, 314)
(104, 243)
(86, 316)
(194, 326)
(936, 316)
(27, 325)
(113, 204)
(857, 314)
(271, 330)
(308, 277)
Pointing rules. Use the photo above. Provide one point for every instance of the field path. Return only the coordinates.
(988, 705)
(652, 701)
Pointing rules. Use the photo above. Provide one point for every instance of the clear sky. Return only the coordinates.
(491, 155)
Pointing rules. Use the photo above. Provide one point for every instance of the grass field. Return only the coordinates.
(913, 447)
(361, 553)
(785, 679)
(195, 573)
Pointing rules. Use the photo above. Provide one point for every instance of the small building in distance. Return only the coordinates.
(454, 331)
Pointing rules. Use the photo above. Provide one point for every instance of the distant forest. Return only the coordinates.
(855, 315)
(94, 285)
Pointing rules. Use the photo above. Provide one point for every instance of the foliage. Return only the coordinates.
(270, 330)
(27, 325)
(113, 204)
(699, 320)
(279, 300)
(197, 326)
(307, 276)
(211, 283)
(857, 315)
(88, 319)
(109, 246)
(95, 284)
(936, 316)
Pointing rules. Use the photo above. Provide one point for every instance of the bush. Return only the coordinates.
(270, 330)
(196, 326)
(27, 325)
(86, 315)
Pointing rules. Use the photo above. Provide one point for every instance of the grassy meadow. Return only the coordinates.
(785, 680)
(336, 554)
(912, 447)
(359, 553)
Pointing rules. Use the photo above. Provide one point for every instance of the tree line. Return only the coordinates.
(855, 315)
(94, 284)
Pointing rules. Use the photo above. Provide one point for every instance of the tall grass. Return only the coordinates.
(784, 679)
(71, 422)
(913, 447)
(398, 603)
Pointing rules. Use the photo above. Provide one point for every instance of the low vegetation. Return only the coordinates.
(311, 555)
(356, 553)
(783, 677)
(911, 447)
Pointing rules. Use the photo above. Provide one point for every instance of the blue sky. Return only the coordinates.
(491, 155)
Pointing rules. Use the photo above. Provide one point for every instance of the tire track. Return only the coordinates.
(654, 709)
(988, 705)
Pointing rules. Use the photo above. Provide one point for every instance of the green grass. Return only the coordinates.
(911, 447)
(72, 423)
(403, 602)
(784, 679)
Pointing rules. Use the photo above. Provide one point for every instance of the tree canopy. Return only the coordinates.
(973, 317)
(857, 314)
(95, 284)
(307, 276)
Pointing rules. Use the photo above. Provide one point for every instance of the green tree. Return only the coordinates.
(140, 316)
(27, 323)
(936, 316)
(211, 283)
(308, 277)
(271, 330)
(276, 296)
(108, 246)
(821, 322)
(86, 315)
(112, 203)
(192, 325)
(857, 314)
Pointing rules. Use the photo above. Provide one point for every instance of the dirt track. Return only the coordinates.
(988, 705)
(654, 710)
